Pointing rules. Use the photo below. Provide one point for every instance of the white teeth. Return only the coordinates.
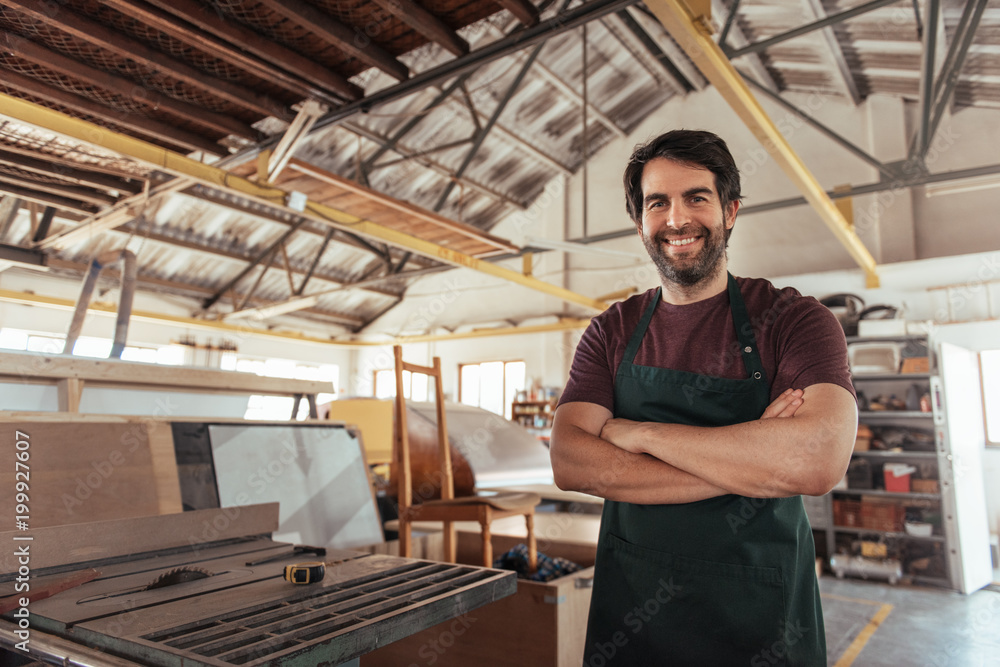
(683, 241)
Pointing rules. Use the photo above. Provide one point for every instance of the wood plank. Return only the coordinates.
(27, 365)
(63, 545)
(77, 472)
(50, 588)
(70, 390)
(164, 465)
(401, 206)
(77, 192)
(45, 199)
(67, 170)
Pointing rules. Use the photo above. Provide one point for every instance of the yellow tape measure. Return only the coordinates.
(305, 573)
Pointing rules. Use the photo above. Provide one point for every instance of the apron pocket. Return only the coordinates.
(690, 611)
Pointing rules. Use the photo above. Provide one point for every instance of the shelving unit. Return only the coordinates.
(878, 493)
(533, 414)
(956, 554)
(881, 509)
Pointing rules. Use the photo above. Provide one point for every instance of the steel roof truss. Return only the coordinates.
(846, 77)
(804, 115)
(832, 19)
(481, 136)
(928, 65)
(952, 67)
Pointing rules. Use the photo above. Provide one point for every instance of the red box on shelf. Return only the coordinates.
(896, 483)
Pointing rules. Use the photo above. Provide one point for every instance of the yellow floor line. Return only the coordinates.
(849, 656)
(842, 598)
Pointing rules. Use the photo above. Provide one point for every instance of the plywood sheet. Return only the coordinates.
(86, 470)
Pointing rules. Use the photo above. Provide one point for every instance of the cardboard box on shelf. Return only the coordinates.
(916, 365)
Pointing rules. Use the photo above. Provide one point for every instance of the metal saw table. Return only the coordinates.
(196, 602)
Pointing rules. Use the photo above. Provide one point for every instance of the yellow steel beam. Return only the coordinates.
(183, 166)
(691, 30)
(56, 303)
(111, 310)
(567, 324)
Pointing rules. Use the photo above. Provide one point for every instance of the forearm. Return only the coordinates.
(584, 462)
(767, 458)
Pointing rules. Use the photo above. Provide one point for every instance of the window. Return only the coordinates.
(492, 385)
(415, 385)
(86, 346)
(989, 361)
(278, 408)
(275, 408)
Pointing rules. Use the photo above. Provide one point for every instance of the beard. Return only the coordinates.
(689, 271)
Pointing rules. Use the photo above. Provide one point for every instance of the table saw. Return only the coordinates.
(166, 595)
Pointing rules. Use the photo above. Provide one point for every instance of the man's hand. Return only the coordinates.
(785, 405)
(632, 436)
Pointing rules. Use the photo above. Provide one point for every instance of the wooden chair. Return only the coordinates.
(449, 509)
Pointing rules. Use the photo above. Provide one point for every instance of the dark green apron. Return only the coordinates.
(724, 581)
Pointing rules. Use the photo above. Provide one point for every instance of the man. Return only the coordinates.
(701, 411)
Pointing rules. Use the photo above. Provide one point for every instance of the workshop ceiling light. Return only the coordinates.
(962, 185)
(266, 312)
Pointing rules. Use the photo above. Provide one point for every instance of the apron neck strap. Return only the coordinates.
(640, 328)
(744, 332)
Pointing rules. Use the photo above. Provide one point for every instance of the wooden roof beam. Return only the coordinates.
(339, 35)
(92, 32)
(74, 174)
(211, 21)
(9, 206)
(309, 112)
(216, 47)
(118, 85)
(141, 125)
(523, 11)
(80, 193)
(46, 198)
(426, 24)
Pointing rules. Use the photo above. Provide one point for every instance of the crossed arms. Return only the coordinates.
(801, 445)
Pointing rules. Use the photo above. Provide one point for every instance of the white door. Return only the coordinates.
(961, 439)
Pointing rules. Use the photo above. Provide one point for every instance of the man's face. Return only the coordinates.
(685, 227)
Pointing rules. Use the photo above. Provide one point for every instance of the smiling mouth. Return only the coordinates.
(683, 242)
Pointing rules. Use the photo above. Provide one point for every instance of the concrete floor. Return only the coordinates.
(923, 626)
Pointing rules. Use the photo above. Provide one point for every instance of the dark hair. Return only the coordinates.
(693, 147)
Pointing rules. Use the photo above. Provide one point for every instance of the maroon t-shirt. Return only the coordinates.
(800, 341)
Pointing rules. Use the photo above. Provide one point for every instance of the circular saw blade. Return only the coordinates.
(178, 575)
